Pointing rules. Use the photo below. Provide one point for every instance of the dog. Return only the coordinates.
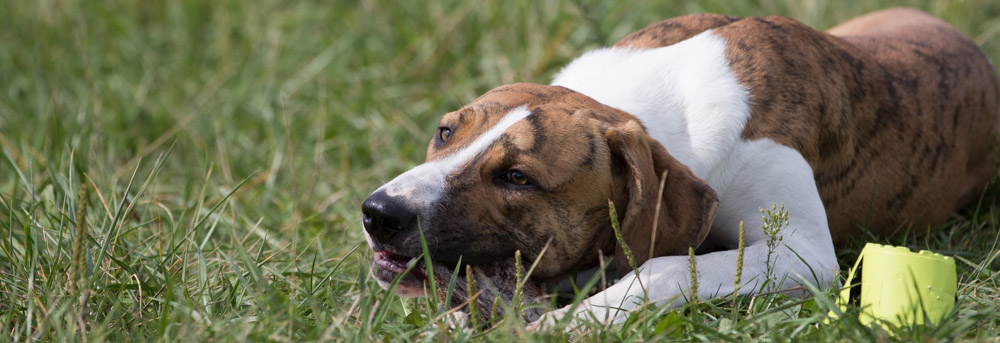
(689, 127)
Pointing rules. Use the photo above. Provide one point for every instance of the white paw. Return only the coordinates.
(585, 312)
(548, 320)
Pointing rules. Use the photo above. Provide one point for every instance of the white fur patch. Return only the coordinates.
(425, 184)
(685, 95)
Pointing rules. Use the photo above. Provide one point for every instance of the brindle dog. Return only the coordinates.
(883, 122)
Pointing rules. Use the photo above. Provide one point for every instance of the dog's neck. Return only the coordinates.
(685, 95)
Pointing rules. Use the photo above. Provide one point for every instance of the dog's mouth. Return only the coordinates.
(393, 262)
(495, 281)
(387, 266)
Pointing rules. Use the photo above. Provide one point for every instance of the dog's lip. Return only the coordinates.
(393, 262)
(388, 265)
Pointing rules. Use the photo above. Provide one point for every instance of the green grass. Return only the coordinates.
(227, 145)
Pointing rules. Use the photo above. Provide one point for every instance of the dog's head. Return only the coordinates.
(527, 166)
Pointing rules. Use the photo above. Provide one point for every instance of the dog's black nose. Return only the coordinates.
(385, 216)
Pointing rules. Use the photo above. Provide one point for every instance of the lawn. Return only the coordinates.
(193, 170)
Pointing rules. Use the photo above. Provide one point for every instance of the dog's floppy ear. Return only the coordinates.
(687, 204)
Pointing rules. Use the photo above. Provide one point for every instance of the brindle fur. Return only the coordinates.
(898, 128)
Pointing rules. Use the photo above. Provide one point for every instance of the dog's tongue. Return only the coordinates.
(494, 280)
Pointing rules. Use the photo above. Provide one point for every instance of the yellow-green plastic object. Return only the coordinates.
(899, 286)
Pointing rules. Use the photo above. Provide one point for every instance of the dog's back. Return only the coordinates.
(899, 127)
(941, 155)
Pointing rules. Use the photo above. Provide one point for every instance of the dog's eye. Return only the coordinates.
(516, 177)
(444, 133)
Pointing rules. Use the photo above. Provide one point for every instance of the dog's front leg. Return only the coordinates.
(666, 281)
(804, 253)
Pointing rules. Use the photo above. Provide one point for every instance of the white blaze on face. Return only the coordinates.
(425, 184)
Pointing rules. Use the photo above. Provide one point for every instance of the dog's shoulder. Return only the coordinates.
(673, 30)
(779, 61)
(763, 32)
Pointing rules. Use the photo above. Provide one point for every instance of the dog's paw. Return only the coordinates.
(551, 320)
(548, 320)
